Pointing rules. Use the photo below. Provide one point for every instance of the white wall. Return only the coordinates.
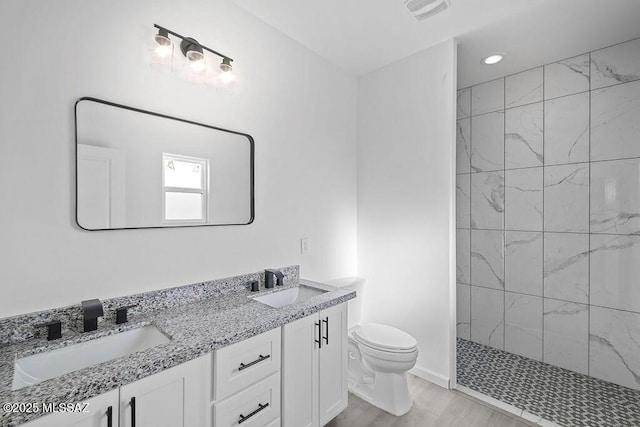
(300, 110)
(406, 123)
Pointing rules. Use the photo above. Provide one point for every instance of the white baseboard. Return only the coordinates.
(430, 376)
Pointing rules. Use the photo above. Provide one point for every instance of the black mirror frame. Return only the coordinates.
(138, 110)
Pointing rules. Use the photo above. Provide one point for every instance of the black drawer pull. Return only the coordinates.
(132, 402)
(110, 416)
(260, 408)
(319, 340)
(326, 337)
(258, 360)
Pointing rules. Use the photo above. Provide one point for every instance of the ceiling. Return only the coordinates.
(363, 35)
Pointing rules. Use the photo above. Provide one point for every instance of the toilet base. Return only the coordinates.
(389, 392)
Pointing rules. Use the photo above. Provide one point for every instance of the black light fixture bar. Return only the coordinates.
(173, 33)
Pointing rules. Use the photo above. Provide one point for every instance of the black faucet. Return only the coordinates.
(121, 313)
(91, 310)
(54, 329)
(269, 275)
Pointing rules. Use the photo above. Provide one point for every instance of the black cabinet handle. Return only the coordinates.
(326, 337)
(260, 358)
(245, 418)
(132, 403)
(319, 340)
(110, 416)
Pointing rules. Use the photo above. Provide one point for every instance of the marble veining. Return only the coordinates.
(487, 200)
(523, 325)
(615, 122)
(566, 129)
(487, 97)
(197, 327)
(615, 269)
(487, 258)
(487, 149)
(566, 198)
(567, 77)
(523, 199)
(555, 213)
(523, 262)
(463, 310)
(566, 330)
(523, 136)
(615, 344)
(566, 267)
(524, 88)
(464, 103)
(463, 146)
(463, 201)
(615, 196)
(616, 64)
(463, 256)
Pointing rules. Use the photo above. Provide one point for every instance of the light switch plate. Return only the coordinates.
(304, 245)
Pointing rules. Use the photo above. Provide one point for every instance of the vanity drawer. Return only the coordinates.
(255, 406)
(245, 363)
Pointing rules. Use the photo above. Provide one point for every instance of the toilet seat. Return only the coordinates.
(385, 338)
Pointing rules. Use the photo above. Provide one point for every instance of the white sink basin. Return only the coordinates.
(43, 366)
(289, 296)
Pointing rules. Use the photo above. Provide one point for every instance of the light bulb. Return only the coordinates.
(196, 60)
(225, 65)
(163, 51)
(162, 55)
(227, 77)
(164, 46)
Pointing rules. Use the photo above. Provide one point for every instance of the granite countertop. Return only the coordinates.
(195, 329)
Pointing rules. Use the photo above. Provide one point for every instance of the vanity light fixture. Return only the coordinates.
(493, 59)
(191, 49)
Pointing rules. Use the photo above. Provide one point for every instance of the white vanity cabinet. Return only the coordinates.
(176, 397)
(294, 376)
(246, 382)
(314, 373)
(102, 411)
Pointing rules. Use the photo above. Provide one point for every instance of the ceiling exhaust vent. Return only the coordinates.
(423, 9)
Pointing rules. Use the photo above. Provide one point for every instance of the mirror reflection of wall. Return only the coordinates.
(136, 170)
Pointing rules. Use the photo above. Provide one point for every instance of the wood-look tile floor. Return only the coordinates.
(433, 406)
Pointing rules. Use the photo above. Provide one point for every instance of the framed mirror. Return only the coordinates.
(139, 169)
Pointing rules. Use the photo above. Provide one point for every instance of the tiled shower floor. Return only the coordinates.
(555, 394)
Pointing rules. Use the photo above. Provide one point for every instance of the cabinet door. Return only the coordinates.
(333, 362)
(176, 397)
(96, 415)
(300, 373)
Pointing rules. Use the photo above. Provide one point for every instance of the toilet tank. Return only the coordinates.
(355, 304)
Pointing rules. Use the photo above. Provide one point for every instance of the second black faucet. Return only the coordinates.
(91, 310)
(269, 275)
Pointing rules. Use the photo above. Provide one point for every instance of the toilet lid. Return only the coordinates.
(384, 337)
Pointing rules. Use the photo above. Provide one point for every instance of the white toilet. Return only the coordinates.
(379, 357)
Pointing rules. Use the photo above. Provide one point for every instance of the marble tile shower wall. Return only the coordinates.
(548, 214)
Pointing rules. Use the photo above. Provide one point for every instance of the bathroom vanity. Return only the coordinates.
(230, 359)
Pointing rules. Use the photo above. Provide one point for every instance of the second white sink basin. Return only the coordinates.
(43, 366)
(289, 296)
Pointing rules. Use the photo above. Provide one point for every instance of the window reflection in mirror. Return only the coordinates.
(185, 189)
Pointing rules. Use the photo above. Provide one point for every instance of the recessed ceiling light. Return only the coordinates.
(493, 59)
